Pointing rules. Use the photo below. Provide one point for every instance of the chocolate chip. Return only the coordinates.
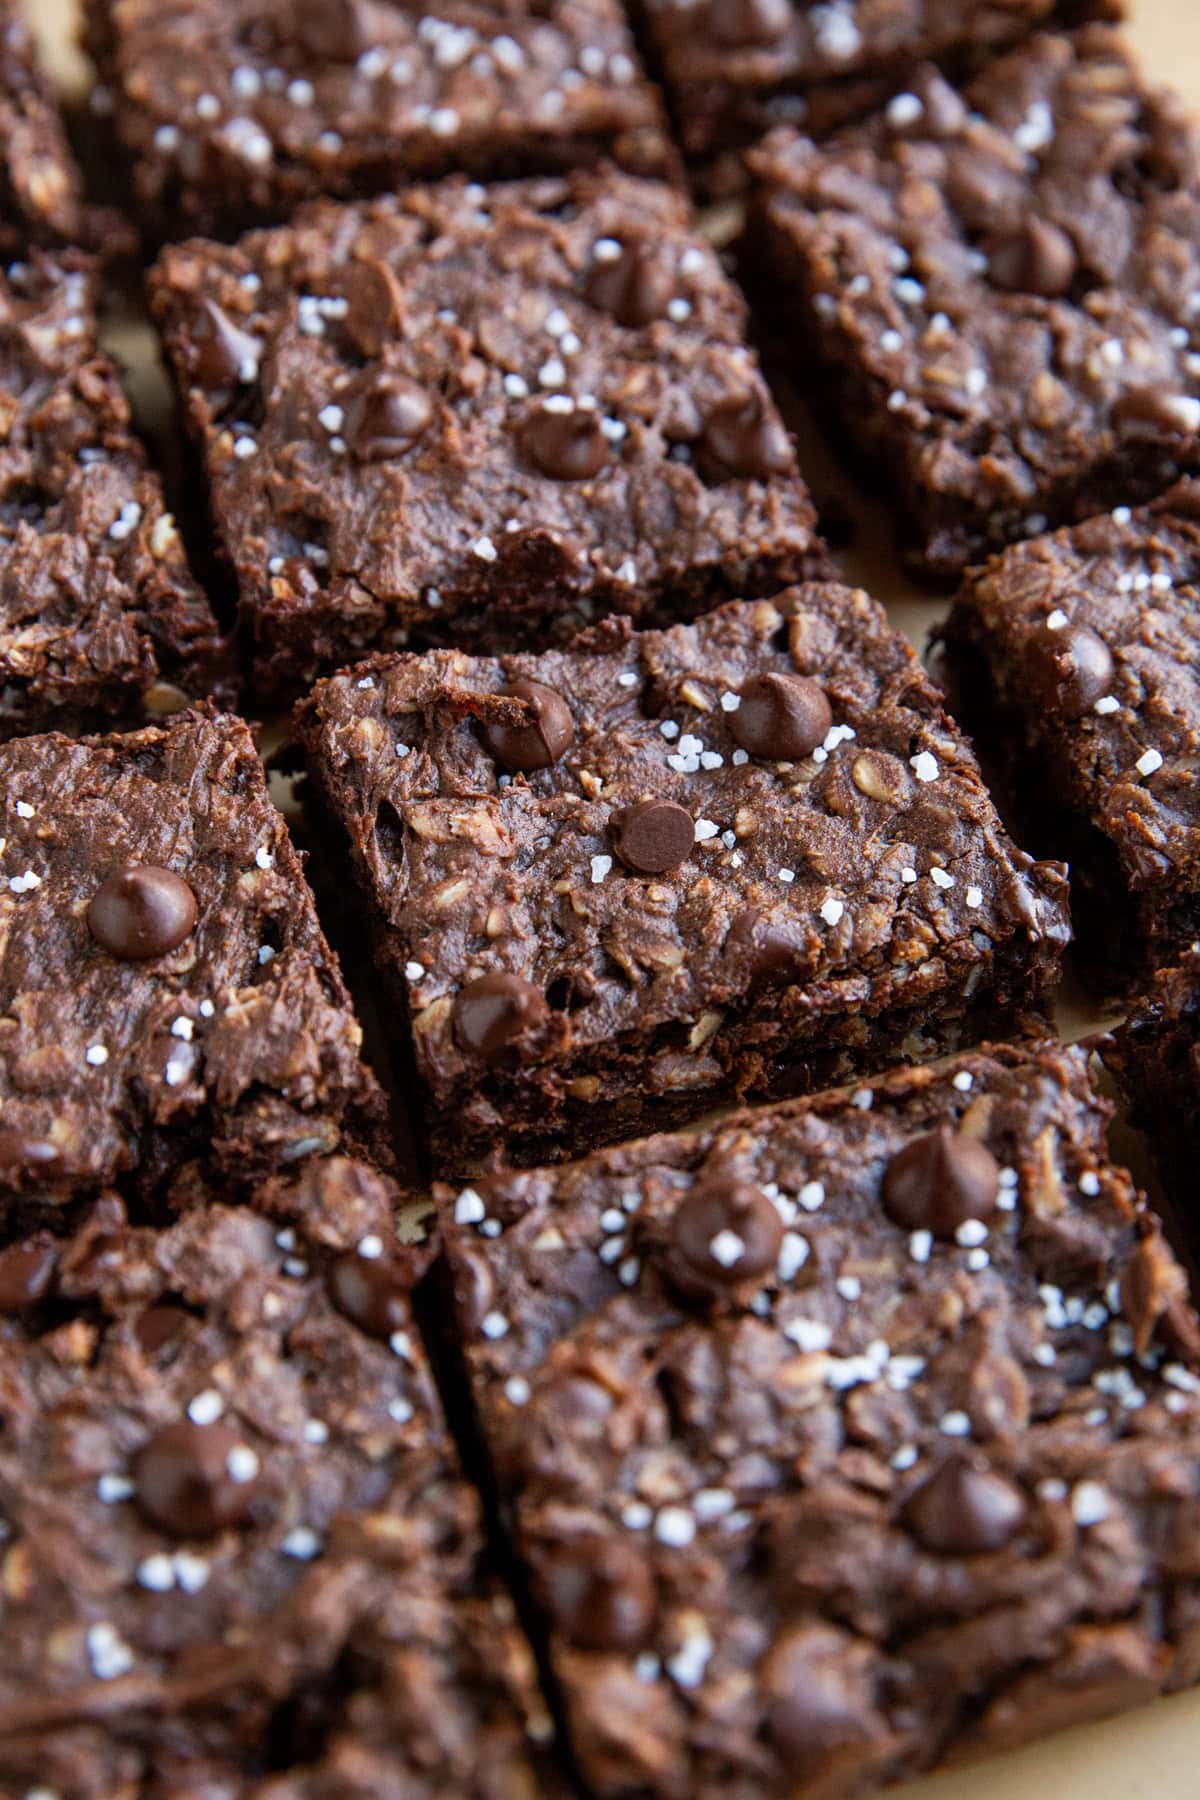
(388, 413)
(540, 743)
(600, 1593)
(963, 1511)
(224, 355)
(566, 446)
(654, 836)
(724, 1234)
(781, 717)
(1036, 258)
(745, 22)
(765, 950)
(374, 306)
(1068, 670)
(194, 1480)
(939, 1181)
(742, 440)
(141, 912)
(372, 1291)
(160, 1325)
(474, 1289)
(636, 287)
(1156, 412)
(819, 1686)
(330, 30)
(26, 1272)
(492, 1013)
(23, 1154)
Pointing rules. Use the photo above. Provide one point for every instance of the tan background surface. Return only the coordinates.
(1153, 1754)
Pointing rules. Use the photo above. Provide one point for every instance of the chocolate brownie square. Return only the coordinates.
(1076, 661)
(165, 988)
(41, 191)
(239, 1556)
(101, 621)
(1155, 1056)
(231, 112)
(482, 417)
(614, 885)
(843, 1439)
(1002, 290)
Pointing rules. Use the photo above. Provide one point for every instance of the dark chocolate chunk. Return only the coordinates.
(635, 286)
(781, 717)
(330, 30)
(142, 912)
(743, 440)
(939, 1181)
(1036, 258)
(550, 731)
(492, 1014)
(1156, 412)
(725, 1233)
(225, 355)
(389, 414)
(654, 836)
(963, 1510)
(160, 1325)
(372, 1291)
(566, 446)
(195, 1480)
(26, 1272)
(1069, 669)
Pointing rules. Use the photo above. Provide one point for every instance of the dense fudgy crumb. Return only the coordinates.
(101, 622)
(239, 1556)
(1155, 1056)
(1076, 660)
(230, 1038)
(483, 417)
(825, 909)
(231, 112)
(843, 1439)
(1001, 289)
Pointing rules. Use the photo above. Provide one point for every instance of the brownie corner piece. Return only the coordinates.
(613, 885)
(166, 992)
(1000, 289)
(482, 417)
(843, 1439)
(1074, 658)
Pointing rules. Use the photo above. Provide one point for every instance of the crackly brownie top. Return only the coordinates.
(163, 976)
(428, 398)
(845, 1428)
(95, 594)
(771, 794)
(40, 187)
(1092, 636)
(326, 91)
(222, 1471)
(1016, 271)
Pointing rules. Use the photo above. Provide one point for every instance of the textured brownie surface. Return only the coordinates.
(1155, 1055)
(239, 1557)
(450, 431)
(100, 619)
(825, 1499)
(40, 188)
(1080, 656)
(238, 1042)
(1002, 289)
(233, 111)
(820, 909)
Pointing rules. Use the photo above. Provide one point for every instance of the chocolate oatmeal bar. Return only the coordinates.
(239, 1557)
(1075, 660)
(844, 1439)
(231, 112)
(41, 190)
(614, 885)
(101, 622)
(165, 989)
(482, 417)
(1002, 290)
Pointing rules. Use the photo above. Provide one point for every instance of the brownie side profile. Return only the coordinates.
(232, 112)
(165, 988)
(614, 885)
(101, 621)
(239, 1556)
(1000, 291)
(1075, 661)
(481, 417)
(843, 1439)
(1155, 1056)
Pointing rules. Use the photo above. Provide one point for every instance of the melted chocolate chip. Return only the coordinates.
(654, 836)
(636, 287)
(724, 1234)
(550, 731)
(374, 305)
(939, 1181)
(1156, 412)
(767, 950)
(1069, 670)
(224, 354)
(23, 1154)
(600, 1594)
(1036, 258)
(781, 717)
(741, 23)
(372, 1291)
(195, 1480)
(388, 414)
(330, 30)
(964, 1511)
(474, 1289)
(142, 912)
(160, 1325)
(819, 1694)
(742, 440)
(566, 446)
(27, 1272)
(493, 1013)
